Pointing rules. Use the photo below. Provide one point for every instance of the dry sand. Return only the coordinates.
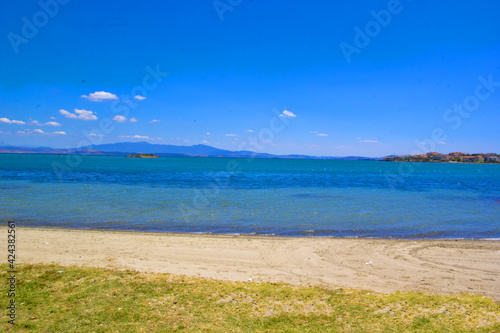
(433, 266)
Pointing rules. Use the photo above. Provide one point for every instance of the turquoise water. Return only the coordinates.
(252, 196)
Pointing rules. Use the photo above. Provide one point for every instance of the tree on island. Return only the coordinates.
(143, 156)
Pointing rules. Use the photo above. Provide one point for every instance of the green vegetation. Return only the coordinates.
(102, 300)
(143, 156)
(455, 157)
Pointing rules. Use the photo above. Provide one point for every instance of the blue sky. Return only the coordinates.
(368, 78)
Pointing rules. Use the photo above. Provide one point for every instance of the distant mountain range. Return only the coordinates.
(123, 148)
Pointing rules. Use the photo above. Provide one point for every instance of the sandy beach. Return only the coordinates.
(381, 265)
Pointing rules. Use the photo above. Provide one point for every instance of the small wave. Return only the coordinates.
(430, 234)
(312, 196)
(14, 187)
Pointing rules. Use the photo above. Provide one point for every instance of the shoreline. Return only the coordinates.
(381, 265)
(307, 235)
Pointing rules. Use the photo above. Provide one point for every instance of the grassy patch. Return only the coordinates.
(102, 300)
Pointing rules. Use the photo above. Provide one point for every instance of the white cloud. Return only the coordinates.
(8, 121)
(139, 97)
(100, 96)
(208, 133)
(231, 135)
(52, 123)
(313, 132)
(205, 141)
(442, 143)
(67, 114)
(5, 132)
(249, 131)
(154, 121)
(39, 131)
(53, 118)
(119, 119)
(85, 115)
(79, 114)
(134, 136)
(321, 134)
(133, 120)
(287, 113)
(370, 141)
(96, 135)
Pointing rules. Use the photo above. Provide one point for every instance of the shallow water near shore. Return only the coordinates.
(252, 196)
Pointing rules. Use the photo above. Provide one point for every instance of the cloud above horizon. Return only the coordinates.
(122, 119)
(50, 123)
(369, 141)
(139, 97)
(288, 114)
(100, 96)
(31, 122)
(154, 121)
(134, 136)
(8, 121)
(39, 131)
(143, 137)
(79, 114)
(317, 133)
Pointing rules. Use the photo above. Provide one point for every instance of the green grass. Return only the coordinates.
(102, 300)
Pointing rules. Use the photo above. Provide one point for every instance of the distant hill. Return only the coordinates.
(148, 148)
(126, 148)
(45, 150)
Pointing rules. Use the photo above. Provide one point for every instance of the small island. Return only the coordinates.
(143, 156)
(455, 157)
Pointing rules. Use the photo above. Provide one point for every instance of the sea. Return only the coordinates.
(268, 197)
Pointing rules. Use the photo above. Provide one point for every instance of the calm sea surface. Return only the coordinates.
(259, 196)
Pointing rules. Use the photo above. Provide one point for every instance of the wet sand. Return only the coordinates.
(381, 265)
